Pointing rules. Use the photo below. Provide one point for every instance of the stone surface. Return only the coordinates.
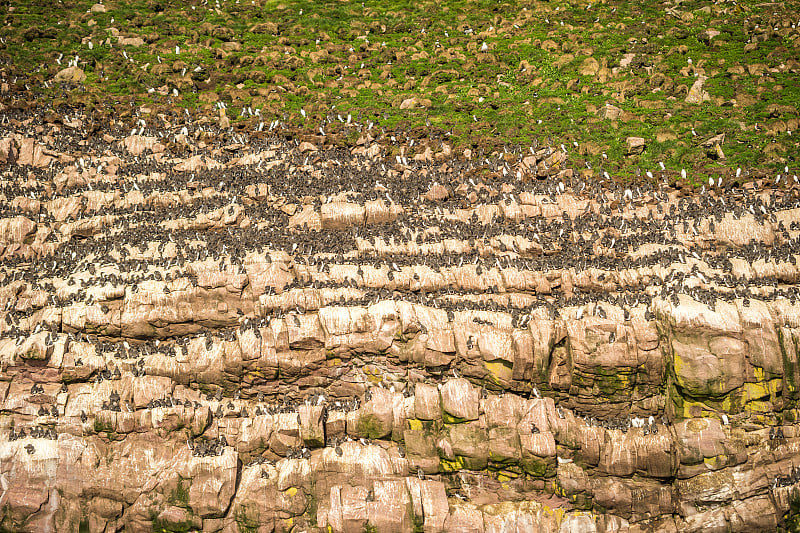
(70, 75)
(190, 342)
(634, 145)
(697, 94)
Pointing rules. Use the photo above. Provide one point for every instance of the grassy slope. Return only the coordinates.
(548, 68)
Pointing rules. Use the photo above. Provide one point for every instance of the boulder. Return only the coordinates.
(70, 75)
(460, 399)
(634, 145)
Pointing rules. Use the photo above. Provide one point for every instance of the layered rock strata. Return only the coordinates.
(214, 331)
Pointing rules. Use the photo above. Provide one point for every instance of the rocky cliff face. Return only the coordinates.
(201, 331)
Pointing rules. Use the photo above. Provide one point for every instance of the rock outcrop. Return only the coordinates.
(260, 336)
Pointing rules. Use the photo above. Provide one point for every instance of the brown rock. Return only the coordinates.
(634, 145)
(437, 193)
(707, 35)
(460, 399)
(697, 94)
(173, 515)
(390, 509)
(70, 75)
(376, 417)
(8, 150)
(342, 215)
(16, 230)
(130, 41)
(306, 146)
(137, 144)
(470, 441)
(426, 402)
(429, 502)
(32, 153)
(609, 112)
(589, 67)
(464, 519)
(421, 450)
(224, 121)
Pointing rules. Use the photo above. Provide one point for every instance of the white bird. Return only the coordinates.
(725, 419)
(683, 173)
(177, 50)
(484, 47)
(303, 112)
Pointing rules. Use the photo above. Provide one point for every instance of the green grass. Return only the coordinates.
(528, 86)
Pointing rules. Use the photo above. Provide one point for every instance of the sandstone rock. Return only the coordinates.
(697, 94)
(466, 519)
(427, 405)
(706, 36)
(138, 144)
(437, 193)
(460, 399)
(224, 121)
(429, 502)
(70, 75)
(341, 215)
(31, 153)
(589, 67)
(16, 230)
(375, 420)
(8, 150)
(634, 145)
(224, 351)
(130, 41)
(609, 112)
(626, 60)
(421, 450)
(306, 146)
(414, 102)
